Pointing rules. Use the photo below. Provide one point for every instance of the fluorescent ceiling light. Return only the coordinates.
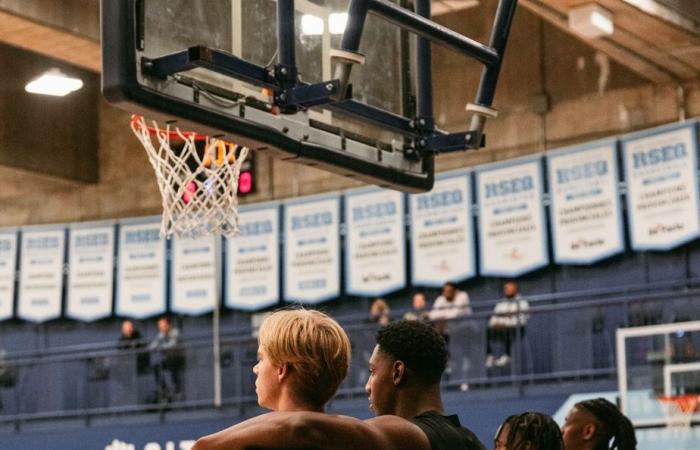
(54, 83)
(591, 21)
(337, 22)
(311, 25)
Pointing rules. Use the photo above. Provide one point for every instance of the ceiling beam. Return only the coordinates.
(623, 56)
(51, 42)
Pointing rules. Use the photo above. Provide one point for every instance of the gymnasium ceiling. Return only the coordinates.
(657, 39)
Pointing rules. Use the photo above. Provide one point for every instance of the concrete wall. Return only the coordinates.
(554, 91)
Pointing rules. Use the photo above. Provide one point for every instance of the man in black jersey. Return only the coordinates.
(404, 393)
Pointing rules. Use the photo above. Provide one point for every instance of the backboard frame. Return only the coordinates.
(153, 87)
(622, 336)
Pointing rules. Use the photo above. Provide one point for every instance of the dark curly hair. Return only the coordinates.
(532, 430)
(417, 345)
(616, 430)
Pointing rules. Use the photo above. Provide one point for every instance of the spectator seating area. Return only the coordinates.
(68, 369)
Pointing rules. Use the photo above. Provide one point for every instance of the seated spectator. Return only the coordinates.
(130, 339)
(597, 425)
(168, 357)
(379, 312)
(528, 431)
(451, 304)
(508, 320)
(420, 309)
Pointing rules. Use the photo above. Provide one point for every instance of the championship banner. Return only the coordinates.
(585, 203)
(90, 271)
(375, 243)
(662, 186)
(442, 235)
(141, 269)
(41, 274)
(512, 237)
(8, 258)
(312, 249)
(252, 259)
(194, 275)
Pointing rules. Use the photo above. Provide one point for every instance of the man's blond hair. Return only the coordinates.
(313, 345)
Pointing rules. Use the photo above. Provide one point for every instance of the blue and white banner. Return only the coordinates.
(141, 269)
(442, 234)
(662, 186)
(512, 235)
(585, 203)
(8, 258)
(41, 274)
(252, 259)
(90, 271)
(375, 242)
(312, 249)
(195, 276)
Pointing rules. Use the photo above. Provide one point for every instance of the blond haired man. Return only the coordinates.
(404, 392)
(303, 356)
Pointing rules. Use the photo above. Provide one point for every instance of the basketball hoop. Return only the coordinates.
(679, 409)
(198, 186)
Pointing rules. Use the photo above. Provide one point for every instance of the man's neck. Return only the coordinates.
(416, 400)
(289, 403)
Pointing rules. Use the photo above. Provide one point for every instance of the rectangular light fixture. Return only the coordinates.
(54, 83)
(591, 21)
(337, 22)
(311, 25)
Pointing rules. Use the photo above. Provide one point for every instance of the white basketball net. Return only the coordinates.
(199, 192)
(679, 411)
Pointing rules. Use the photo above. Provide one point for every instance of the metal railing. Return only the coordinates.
(572, 340)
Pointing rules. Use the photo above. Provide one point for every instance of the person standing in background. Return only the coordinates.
(452, 304)
(508, 321)
(379, 312)
(419, 309)
(168, 357)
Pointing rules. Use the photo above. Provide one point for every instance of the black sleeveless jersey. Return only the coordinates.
(446, 433)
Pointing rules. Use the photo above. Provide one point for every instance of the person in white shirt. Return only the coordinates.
(452, 304)
(509, 318)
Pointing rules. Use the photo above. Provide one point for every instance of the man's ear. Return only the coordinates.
(589, 431)
(398, 372)
(283, 372)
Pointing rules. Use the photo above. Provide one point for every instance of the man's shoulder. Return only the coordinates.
(399, 433)
(439, 301)
(446, 432)
(462, 296)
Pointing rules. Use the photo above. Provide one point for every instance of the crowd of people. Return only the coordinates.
(304, 355)
(505, 326)
(165, 358)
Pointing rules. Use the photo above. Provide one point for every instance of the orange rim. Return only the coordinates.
(136, 122)
(687, 402)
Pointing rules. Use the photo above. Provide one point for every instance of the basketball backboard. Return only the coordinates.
(261, 74)
(657, 364)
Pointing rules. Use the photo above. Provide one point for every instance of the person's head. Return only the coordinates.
(408, 354)
(528, 431)
(419, 302)
(127, 328)
(449, 290)
(303, 356)
(378, 308)
(164, 325)
(598, 425)
(510, 289)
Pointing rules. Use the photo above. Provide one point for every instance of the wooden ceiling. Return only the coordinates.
(658, 50)
(49, 41)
